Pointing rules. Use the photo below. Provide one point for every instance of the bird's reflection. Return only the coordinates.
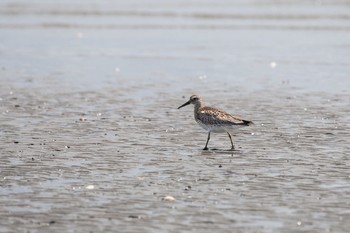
(213, 151)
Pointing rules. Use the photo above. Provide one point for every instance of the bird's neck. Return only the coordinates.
(198, 106)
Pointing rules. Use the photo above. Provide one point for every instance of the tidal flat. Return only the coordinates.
(91, 139)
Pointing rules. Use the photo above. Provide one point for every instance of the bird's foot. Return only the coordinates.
(205, 148)
(232, 148)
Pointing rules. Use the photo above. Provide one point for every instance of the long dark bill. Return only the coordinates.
(187, 103)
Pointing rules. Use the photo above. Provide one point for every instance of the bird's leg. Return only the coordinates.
(206, 144)
(232, 146)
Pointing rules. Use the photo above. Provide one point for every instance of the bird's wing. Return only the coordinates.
(215, 116)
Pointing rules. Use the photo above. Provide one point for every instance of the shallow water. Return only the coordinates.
(91, 140)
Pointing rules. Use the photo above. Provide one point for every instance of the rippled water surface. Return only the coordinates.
(91, 139)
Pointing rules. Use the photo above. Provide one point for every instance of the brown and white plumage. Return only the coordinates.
(214, 120)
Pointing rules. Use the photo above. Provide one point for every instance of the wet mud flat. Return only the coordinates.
(91, 139)
(86, 161)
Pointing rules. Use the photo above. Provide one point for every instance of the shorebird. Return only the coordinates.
(214, 120)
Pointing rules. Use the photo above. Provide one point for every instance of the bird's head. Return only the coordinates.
(194, 99)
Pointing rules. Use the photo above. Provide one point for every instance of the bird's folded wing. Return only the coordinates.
(215, 116)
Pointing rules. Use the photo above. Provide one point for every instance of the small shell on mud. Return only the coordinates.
(90, 186)
(169, 199)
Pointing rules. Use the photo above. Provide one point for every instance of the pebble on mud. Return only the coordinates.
(169, 199)
(82, 119)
